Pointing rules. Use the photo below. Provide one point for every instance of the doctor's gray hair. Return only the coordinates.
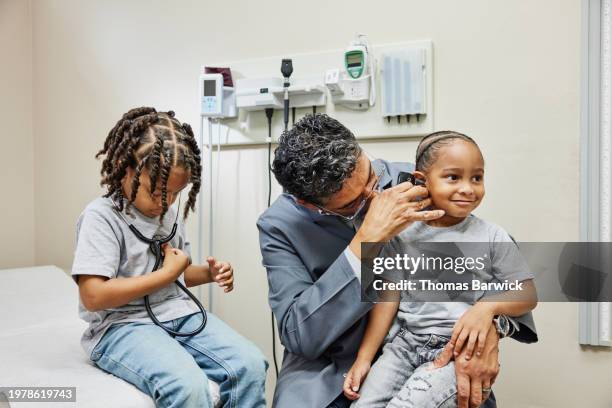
(315, 157)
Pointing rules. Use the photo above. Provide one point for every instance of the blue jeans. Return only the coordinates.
(404, 377)
(175, 371)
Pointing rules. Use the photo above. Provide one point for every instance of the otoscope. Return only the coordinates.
(286, 70)
(404, 176)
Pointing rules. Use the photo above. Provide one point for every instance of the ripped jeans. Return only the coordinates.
(404, 375)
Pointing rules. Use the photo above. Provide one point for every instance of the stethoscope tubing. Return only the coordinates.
(155, 245)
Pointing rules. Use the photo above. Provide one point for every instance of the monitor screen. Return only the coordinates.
(210, 87)
(353, 60)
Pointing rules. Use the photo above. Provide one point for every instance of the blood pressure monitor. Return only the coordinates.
(211, 95)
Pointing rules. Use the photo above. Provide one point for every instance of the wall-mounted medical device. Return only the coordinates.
(211, 94)
(306, 92)
(364, 85)
(354, 86)
(355, 60)
(404, 83)
(253, 94)
(216, 100)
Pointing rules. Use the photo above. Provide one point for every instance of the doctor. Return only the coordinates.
(311, 251)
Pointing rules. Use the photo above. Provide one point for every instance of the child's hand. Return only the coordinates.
(473, 326)
(354, 378)
(222, 273)
(175, 261)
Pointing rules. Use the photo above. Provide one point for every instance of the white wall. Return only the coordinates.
(506, 73)
(17, 163)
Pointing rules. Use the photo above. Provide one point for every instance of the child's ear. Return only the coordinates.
(419, 175)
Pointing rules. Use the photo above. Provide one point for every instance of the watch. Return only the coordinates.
(502, 325)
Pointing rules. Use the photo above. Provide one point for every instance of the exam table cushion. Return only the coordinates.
(40, 342)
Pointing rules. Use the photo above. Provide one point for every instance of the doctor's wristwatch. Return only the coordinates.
(503, 326)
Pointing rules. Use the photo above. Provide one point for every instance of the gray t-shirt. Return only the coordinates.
(440, 317)
(106, 247)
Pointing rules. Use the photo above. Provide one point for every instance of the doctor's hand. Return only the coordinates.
(475, 375)
(222, 273)
(391, 211)
(175, 261)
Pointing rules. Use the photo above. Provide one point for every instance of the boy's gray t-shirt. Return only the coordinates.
(440, 317)
(107, 247)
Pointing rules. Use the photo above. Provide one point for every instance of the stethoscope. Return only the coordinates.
(155, 245)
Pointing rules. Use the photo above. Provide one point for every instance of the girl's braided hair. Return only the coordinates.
(144, 138)
(430, 145)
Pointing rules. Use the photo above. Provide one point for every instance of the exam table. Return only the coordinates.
(40, 342)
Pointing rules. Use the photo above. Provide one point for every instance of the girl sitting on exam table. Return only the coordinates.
(150, 158)
(452, 167)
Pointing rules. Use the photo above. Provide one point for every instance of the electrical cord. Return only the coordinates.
(286, 71)
(269, 113)
(211, 225)
(364, 41)
(218, 164)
